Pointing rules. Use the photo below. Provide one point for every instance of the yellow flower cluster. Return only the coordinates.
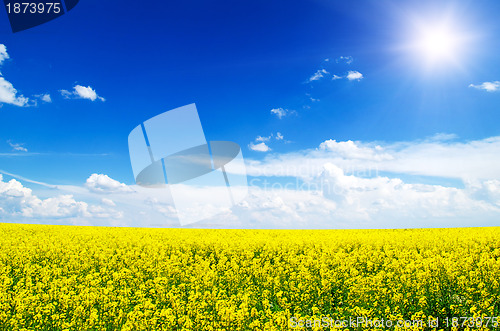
(97, 278)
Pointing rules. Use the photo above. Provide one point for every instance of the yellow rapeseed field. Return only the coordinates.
(96, 278)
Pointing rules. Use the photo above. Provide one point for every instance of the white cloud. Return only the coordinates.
(108, 202)
(311, 98)
(354, 75)
(3, 53)
(17, 146)
(477, 159)
(372, 197)
(331, 186)
(260, 142)
(82, 92)
(66, 94)
(261, 147)
(336, 200)
(8, 94)
(349, 150)
(351, 75)
(443, 137)
(488, 86)
(329, 198)
(318, 75)
(87, 93)
(268, 208)
(488, 190)
(260, 138)
(44, 97)
(100, 183)
(345, 59)
(18, 202)
(282, 112)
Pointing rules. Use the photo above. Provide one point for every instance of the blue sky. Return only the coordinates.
(314, 72)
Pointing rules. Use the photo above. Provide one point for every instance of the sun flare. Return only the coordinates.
(438, 43)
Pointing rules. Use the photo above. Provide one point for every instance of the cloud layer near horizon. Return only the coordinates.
(440, 156)
(331, 186)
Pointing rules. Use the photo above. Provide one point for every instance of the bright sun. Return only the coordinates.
(437, 43)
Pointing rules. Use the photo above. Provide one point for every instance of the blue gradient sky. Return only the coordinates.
(237, 61)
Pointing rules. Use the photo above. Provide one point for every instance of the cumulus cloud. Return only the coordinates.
(17, 146)
(333, 199)
(271, 208)
(3, 53)
(488, 86)
(19, 202)
(488, 190)
(392, 197)
(261, 142)
(331, 186)
(108, 202)
(329, 198)
(8, 94)
(82, 92)
(350, 150)
(335, 77)
(476, 159)
(282, 112)
(87, 93)
(318, 75)
(354, 75)
(260, 147)
(100, 183)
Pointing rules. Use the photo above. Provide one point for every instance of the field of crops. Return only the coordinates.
(96, 278)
